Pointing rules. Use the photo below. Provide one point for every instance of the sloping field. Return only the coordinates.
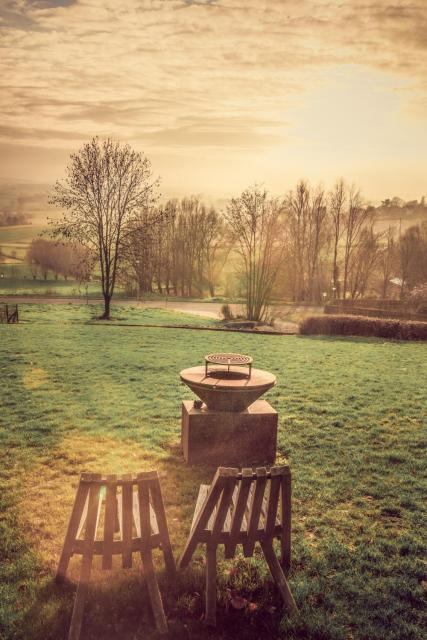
(80, 397)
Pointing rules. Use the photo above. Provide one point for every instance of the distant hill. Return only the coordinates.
(22, 203)
(399, 214)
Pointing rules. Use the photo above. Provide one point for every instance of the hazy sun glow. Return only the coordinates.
(220, 93)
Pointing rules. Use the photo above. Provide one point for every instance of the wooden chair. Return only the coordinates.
(133, 519)
(243, 507)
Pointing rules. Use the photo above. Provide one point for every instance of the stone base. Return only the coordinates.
(225, 438)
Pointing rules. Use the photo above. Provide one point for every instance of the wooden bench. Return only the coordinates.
(134, 520)
(243, 507)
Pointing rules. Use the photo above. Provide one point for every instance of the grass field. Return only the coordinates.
(22, 234)
(122, 314)
(76, 397)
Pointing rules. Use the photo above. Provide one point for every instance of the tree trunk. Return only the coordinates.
(106, 314)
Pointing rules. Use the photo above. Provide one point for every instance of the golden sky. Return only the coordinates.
(220, 93)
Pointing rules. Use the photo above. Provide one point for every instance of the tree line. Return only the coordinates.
(308, 245)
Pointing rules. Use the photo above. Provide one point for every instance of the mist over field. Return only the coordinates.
(213, 319)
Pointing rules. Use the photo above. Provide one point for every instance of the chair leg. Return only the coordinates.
(62, 566)
(169, 560)
(154, 592)
(278, 576)
(210, 618)
(285, 545)
(79, 602)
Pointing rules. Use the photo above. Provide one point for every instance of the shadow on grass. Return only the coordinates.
(117, 604)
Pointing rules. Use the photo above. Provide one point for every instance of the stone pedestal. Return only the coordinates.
(229, 438)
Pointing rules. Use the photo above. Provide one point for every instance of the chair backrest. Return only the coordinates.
(117, 515)
(242, 506)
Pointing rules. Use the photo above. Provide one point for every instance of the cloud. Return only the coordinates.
(220, 74)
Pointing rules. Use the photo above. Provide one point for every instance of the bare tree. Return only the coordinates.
(106, 187)
(318, 241)
(364, 259)
(255, 221)
(387, 260)
(216, 247)
(308, 236)
(413, 257)
(337, 200)
(297, 205)
(356, 218)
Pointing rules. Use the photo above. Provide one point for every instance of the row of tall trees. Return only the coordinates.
(178, 248)
(310, 244)
(336, 248)
(66, 260)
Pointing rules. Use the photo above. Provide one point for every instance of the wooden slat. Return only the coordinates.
(286, 494)
(229, 515)
(249, 502)
(109, 522)
(202, 518)
(70, 536)
(144, 511)
(136, 516)
(279, 577)
(127, 517)
(159, 524)
(224, 505)
(153, 590)
(120, 514)
(239, 512)
(78, 610)
(255, 511)
(98, 545)
(203, 492)
(273, 500)
(146, 557)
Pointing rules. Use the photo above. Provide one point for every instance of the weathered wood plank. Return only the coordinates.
(109, 522)
(159, 525)
(201, 498)
(279, 577)
(255, 511)
(127, 521)
(202, 519)
(70, 536)
(273, 501)
(78, 609)
(239, 512)
(286, 493)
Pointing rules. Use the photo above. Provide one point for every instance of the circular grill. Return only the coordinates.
(228, 360)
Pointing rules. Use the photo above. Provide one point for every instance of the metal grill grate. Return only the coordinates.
(228, 360)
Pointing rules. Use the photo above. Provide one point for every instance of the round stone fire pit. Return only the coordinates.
(223, 385)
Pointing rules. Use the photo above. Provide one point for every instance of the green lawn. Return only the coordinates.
(121, 314)
(19, 281)
(21, 233)
(75, 397)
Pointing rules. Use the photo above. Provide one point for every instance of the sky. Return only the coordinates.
(220, 94)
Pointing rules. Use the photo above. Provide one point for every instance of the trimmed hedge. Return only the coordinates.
(348, 325)
(337, 309)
